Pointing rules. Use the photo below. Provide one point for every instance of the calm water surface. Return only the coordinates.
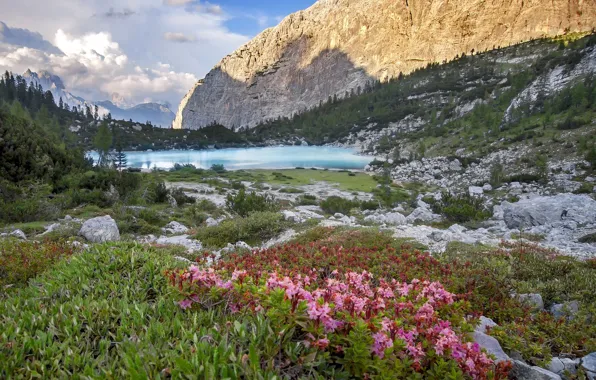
(252, 158)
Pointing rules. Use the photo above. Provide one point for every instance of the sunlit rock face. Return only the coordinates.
(336, 47)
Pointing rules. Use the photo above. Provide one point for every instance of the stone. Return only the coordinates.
(395, 219)
(175, 228)
(487, 187)
(100, 230)
(547, 210)
(533, 300)
(335, 47)
(172, 201)
(422, 215)
(562, 365)
(338, 215)
(484, 324)
(524, 371)
(243, 245)
(588, 364)
(16, 234)
(68, 218)
(491, 345)
(562, 310)
(210, 222)
(475, 191)
(291, 216)
(185, 241)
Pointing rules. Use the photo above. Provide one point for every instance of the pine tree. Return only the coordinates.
(120, 160)
(103, 142)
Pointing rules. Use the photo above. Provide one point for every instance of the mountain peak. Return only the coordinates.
(338, 46)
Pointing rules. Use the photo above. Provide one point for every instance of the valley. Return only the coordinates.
(348, 195)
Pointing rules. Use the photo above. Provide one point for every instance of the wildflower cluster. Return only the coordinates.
(415, 326)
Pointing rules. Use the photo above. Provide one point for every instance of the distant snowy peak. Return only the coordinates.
(45, 79)
(118, 106)
(120, 101)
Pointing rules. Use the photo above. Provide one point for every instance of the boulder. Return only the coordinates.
(18, 234)
(524, 371)
(100, 230)
(210, 222)
(588, 364)
(539, 211)
(562, 310)
(191, 245)
(175, 228)
(533, 300)
(487, 187)
(243, 245)
(475, 191)
(562, 365)
(291, 216)
(484, 324)
(422, 215)
(491, 345)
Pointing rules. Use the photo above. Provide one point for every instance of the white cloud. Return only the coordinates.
(178, 37)
(124, 46)
(177, 3)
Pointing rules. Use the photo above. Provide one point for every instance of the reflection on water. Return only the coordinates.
(251, 158)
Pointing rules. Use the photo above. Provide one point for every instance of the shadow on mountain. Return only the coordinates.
(281, 90)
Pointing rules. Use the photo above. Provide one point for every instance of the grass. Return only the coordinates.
(109, 313)
(289, 177)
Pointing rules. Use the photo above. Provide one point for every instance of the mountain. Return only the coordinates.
(157, 114)
(336, 47)
(118, 106)
(54, 84)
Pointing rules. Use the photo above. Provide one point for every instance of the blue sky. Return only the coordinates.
(251, 16)
(144, 50)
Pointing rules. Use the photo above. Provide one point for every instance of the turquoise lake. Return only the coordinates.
(252, 158)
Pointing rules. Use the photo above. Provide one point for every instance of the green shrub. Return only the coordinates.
(243, 204)
(218, 168)
(291, 190)
(307, 200)
(590, 238)
(253, 229)
(369, 205)
(335, 204)
(586, 188)
(157, 192)
(23, 260)
(180, 197)
(461, 208)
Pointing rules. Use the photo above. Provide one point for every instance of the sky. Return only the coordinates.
(144, 50)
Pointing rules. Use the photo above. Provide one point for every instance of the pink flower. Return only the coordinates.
(185, 304)
(381, 343)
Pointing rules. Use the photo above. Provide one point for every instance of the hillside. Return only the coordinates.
(336, 47)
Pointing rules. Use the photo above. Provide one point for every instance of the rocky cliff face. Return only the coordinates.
(336, 46)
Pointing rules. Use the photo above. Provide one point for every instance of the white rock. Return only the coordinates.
(100, 230)
(338, 215)
(191, 245)
(175, 228)
(422, 215)
(523, 371)
(291, 216)
(491, 345)
(243, 245)
(588, 364)
(569, 309)
(475, 191)
(531, 299)
(540, 211)
(487, 187)
(484, 324)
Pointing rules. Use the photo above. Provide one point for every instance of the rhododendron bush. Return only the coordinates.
(364, 324)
